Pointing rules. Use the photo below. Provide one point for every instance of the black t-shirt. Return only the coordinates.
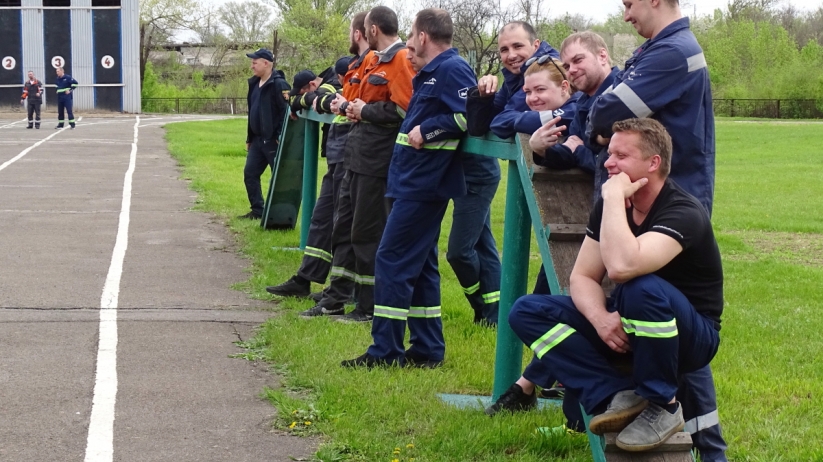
(697, 271)
(254, 111)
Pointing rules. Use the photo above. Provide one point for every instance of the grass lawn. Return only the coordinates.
(769, 222)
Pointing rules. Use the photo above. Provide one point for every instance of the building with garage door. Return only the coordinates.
(94, 41)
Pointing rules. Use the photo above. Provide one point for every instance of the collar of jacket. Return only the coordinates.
(437, 60)
(671, 29)
(328, 75)
(388, 54)
(356, 63)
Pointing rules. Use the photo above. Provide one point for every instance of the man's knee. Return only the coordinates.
(631, 295)
(529, 310)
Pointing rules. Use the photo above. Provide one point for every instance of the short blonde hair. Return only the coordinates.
(591, 41)
(654, 139)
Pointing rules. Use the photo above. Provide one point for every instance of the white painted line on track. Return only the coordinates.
(27, 150)
(15, 122)
(100, 442)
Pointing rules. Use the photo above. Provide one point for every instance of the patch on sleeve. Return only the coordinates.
(666, 228)
(463, 92)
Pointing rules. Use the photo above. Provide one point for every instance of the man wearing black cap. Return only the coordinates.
(267, 110)
(309, 90)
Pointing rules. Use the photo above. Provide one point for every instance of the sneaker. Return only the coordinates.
(355, 317)
(419, 362)
(555, 392)
(623, 408)
(366, 360)
(513, 400)
(294, 287)
(58, 127)
(249, 216)
(651, 428)
(321, 311)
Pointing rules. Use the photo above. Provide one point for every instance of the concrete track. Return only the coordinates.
(172, 319)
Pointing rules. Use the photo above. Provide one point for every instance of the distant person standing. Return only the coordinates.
(267, 111)
(33, 96)
(65, 85)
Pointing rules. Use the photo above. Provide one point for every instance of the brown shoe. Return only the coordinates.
(622, 410)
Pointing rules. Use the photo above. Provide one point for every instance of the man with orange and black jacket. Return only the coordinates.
(307, 90)
(33, 96)
(332, 300)
(385, 92)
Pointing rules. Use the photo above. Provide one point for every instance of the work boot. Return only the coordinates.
(58, 127)
(555, 392)
(623, 408)
(513, 400)
(321, 311)
(30, 126)
(37, 126)
(249, 216)
(366, 360)
(355, 317)
(651, 428)
(294, 287)
(416, 361)
(316, 296)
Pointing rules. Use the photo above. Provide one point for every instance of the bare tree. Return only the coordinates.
(247, 22)
(159, 20)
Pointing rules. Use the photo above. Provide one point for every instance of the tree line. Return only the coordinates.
(754, 48)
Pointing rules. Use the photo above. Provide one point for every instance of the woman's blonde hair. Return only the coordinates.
(555, 69)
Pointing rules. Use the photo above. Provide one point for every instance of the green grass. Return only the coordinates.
(767, 371)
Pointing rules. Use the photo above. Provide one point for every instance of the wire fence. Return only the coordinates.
(196, 105)
(757, 108)
(770, 108)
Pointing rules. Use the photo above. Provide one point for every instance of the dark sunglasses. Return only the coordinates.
(542, 60)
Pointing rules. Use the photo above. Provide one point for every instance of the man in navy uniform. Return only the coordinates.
(65, 86)
(656, 242)
(267, 112)
(425, 172)
(667, 79)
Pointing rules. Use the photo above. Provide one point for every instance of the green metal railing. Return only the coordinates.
(521, 211)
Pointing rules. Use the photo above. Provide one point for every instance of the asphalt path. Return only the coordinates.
(117, 320)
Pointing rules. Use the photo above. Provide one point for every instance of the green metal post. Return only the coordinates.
(516, 241)
(310, 147)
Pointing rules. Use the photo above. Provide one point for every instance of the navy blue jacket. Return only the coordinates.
(589, 156)
(438, 106)
(273, 107)
(482, 112)
(667, 79)
(65, 83)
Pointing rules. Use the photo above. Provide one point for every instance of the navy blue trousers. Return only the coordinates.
(407, 284)
(668, 338)
(473, 252)
(261, 155)
(64, 104)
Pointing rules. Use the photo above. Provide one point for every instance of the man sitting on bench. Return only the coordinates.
(655, 241)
